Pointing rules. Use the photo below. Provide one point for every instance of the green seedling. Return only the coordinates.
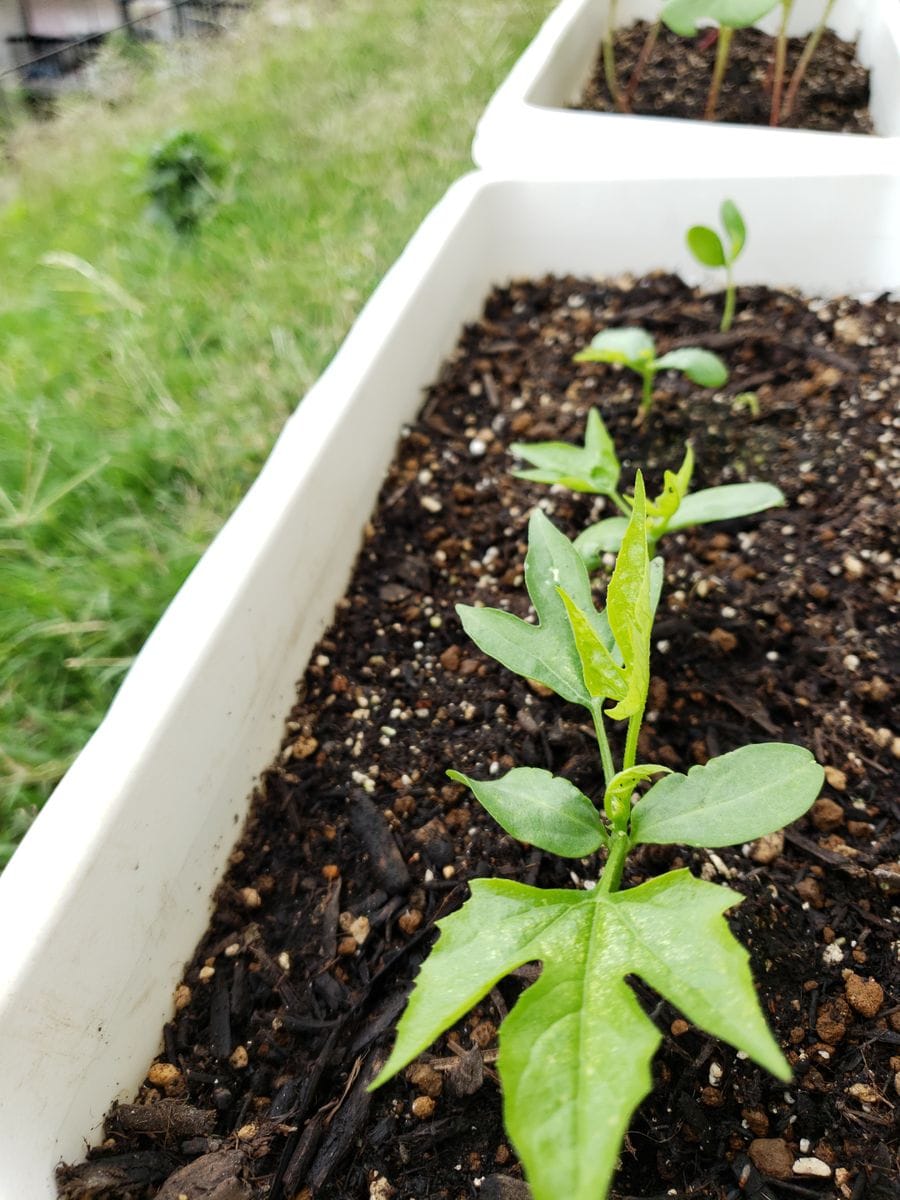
(806, 57)
(709, 250)
(576, 1049)
(635, 349)
(748, 400)
(594, 468)
(683, 17)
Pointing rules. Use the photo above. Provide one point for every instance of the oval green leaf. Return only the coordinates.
(733, 224)
(706, 246)
(683, 16)
(734, 798)
(724, 504)
(628, 346)
(700, 366)
(540, 809)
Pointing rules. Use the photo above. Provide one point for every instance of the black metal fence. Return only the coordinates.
(44, 64)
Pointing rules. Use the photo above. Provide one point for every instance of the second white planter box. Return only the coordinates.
(110, 891)
(528, 127)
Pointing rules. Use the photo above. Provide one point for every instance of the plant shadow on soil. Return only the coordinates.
(776, 627)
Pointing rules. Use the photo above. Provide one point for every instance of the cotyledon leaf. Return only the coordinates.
(683, 16)
(546, 651)
(542, 809)
(575, 1051)
(733, 798)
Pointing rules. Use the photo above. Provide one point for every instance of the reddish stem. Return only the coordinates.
(778, 62)
(805, 59)
(641, 64)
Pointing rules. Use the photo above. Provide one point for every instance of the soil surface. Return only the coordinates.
(833, 97)
(777, 627)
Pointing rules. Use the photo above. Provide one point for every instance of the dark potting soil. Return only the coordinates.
(833, 97)
(780, 626)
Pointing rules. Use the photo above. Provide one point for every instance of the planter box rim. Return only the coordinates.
(523, 130)
(110, 891)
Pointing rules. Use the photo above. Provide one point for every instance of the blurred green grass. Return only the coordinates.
(144, 376)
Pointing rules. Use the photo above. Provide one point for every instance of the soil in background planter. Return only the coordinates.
(780, 626)
(834, 95)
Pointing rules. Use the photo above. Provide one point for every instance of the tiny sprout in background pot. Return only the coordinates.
(709, 250)
(594, 468)
(635, 349)
(683, 17)
(576, 1049)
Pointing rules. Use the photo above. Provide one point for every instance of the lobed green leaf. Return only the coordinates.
(593, 467)
(575, 1051)
(734, 798)
(541, 809)
(545, 652)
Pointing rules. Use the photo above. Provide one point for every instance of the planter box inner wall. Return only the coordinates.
(527, 123)
(110, 892)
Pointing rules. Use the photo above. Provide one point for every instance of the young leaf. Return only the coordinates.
(726, 503)
(626, 346)
(706, 246)
(603, 677)
(629, 608)
(700, 366)
(541, 809)
(733, 224)
(545, 652)
(617, 798)
(593, 467)
(734, 798)
(675, 486)
(568, 1095)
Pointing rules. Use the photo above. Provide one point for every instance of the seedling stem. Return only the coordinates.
(780, 57)
(606, 760)
(643, 58)
(611, 878)
(609, 59)
(805, 59)
(730, 300)
(723, 48)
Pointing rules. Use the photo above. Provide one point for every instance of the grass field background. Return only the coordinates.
(144, 376)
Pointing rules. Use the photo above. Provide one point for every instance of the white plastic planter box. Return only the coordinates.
(528, 128)
(110, 891)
